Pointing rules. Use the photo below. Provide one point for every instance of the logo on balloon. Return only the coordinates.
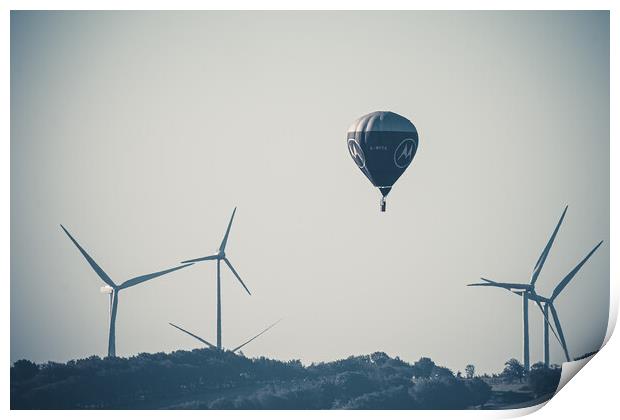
(403, 155)
(356, 153)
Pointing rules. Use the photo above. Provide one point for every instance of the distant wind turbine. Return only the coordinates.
(113, 289)
(527, 292)
(547, 304)
(208, 344)
(219, 256)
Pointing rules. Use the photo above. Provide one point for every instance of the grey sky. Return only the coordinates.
(141, 131)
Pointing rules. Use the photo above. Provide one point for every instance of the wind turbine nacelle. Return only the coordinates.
(106, 290)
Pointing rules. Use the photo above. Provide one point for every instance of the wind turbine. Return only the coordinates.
(202, 340)
(522, 289)
(219, 256)
(547, 304)
(113, 289)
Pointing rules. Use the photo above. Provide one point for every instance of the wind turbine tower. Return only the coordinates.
(219, 256)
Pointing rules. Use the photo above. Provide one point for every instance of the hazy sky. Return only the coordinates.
(140, 131)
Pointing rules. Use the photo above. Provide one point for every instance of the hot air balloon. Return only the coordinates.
(382, 144)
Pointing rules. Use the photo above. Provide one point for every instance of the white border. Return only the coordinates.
(592, 395)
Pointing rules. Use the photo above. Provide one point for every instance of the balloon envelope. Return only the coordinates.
(382, 144)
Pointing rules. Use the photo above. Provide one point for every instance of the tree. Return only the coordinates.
(23, 370)
(543, 380)
(352, 384)
(479, 390)
(513, 369)
(423, 368)
(443, 393)
(396, 398)
(441, 371)
(470, 370)
(379, 357)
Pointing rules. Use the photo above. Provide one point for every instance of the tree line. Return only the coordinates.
(211, 379)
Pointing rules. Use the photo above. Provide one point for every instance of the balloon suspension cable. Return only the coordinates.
(382, 204)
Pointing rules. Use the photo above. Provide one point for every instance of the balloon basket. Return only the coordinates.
(382, 204)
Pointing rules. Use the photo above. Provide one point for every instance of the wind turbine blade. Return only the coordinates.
(558, 289)
(556, 319)
(236, 275)
(543, 257)
(547, 320)
(223, 244)
(202, 340)
(195, 260)
(256, 336)
(502, 285)
(102, 274)
(141, 279)
(512, 285)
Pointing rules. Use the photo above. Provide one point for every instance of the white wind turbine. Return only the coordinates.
(522, 289)
(527, 292)
(208, 344)
(113, 289)
(220, 255)
(547, 305)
